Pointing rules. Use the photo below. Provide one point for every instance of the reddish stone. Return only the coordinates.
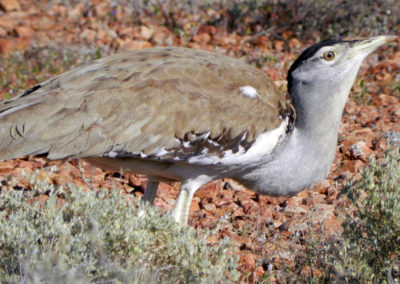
(248, 261)
(102, 9)
(9, 5)
(202, 38)
(134, 44)
(24, 31)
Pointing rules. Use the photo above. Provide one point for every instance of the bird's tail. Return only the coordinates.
(18, 119)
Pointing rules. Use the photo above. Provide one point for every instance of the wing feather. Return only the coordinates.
(139, 103)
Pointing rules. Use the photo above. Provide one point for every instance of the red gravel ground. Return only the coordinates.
(263, 227)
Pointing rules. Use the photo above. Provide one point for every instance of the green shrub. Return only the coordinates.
(99, 236)
(372, 235)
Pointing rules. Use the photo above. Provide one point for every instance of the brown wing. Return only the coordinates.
(141, 102)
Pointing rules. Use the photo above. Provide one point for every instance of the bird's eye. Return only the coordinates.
(329, 55)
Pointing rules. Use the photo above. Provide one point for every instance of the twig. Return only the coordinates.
(88, 183)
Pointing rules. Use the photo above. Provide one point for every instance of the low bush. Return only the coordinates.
(99, 236)
(368, 250)
(373, 234)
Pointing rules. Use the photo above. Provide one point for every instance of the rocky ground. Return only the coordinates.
(266, 229)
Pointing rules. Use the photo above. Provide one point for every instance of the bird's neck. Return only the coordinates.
(319, 111)
(306, 156)
(312, 145)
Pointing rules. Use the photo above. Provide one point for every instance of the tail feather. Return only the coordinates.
(18, 119)
(42, 121)
(15, 142)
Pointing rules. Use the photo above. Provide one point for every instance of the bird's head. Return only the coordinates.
(332, 63)
(320, 80)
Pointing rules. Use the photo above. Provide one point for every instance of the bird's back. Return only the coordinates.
(151, 103)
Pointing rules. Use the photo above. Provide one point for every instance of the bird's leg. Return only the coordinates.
(150, 191)
(181, 211)
(149, 194)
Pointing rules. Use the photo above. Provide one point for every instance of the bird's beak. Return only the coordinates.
(366, 46)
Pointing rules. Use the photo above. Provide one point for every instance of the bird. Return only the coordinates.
(180, 114)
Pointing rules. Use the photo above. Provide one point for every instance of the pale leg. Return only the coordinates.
(182, 206)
